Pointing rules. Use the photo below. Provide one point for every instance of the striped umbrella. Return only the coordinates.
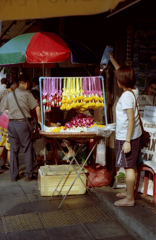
(36, 49)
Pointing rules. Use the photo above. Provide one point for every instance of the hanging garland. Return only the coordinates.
(78, 93)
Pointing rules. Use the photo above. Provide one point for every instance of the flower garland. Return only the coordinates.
(57, 129)
(96, 125)
(78, 93)
(82, 93)
(79, 123)
(80, 120)
(51, 93)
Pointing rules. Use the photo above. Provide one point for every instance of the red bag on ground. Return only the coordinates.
(98, 176)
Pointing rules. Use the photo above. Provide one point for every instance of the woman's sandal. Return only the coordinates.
(120, 195)
(7, 167)
(120, 203)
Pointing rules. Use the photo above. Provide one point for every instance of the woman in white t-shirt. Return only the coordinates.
(128, 130)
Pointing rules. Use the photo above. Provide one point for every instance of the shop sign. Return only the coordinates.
(146, 100)
(28, 9)
(150, 113)
(147, 153)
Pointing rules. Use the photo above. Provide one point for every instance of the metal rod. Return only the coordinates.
(63, 174)
(78, 175)
(105, 106)
(41, 104)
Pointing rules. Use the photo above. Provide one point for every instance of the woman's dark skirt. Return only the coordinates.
(127, 160)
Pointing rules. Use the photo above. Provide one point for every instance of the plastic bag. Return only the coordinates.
(106, 131)
(4, 120)
(101, 153)
(98, 176)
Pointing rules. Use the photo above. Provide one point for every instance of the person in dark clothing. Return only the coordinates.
(36, 84)
(18, 129)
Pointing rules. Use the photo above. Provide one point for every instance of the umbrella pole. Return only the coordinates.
(43, 69)
(33, 72)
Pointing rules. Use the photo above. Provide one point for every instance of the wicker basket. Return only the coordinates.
(70, 135)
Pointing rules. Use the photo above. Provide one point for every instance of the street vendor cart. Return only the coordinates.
(79, 93)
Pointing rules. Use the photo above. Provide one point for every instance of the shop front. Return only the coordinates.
(132, 34)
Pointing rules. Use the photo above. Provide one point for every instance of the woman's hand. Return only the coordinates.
(113, 61)
(110, 55)
(126, 148)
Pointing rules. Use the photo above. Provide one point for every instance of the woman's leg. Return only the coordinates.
(130, 182)
(124, 194)
(4, 158)
(1, 155)
(8, 155)
(1, 151)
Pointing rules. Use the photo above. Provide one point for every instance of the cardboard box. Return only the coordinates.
(49, 177)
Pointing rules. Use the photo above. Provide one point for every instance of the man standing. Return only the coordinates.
(18, 129)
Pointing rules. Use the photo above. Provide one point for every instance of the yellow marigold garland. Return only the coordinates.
(73, 97)
(57, 129)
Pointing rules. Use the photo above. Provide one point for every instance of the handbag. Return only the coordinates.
(34, 125)
(35, 130)
(146, 137)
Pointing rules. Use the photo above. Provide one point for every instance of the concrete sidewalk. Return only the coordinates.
(141, 218)
(24, 214)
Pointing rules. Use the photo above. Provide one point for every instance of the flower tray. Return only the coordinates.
(70, 135)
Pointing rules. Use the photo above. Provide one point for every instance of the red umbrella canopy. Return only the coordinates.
(47, 47)
(43, 47)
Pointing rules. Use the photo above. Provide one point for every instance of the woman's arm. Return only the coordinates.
(38, 112)
(131, 119)
(113, 61)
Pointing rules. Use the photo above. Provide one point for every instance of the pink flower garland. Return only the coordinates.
(80, 121)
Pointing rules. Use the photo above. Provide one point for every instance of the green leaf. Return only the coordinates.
(120, 175)
(7, 70)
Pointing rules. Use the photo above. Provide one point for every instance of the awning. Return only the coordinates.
(34, 9)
